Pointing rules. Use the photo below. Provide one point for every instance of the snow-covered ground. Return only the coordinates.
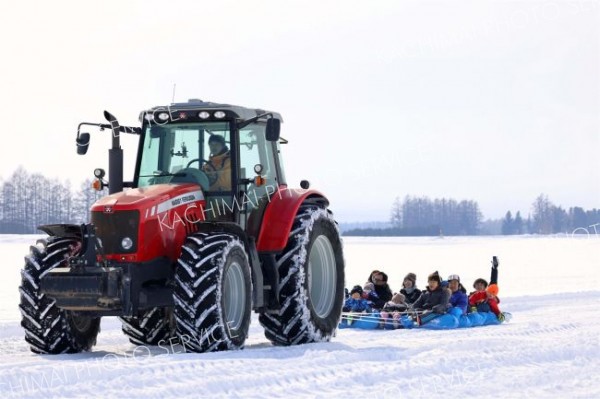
(551, 348)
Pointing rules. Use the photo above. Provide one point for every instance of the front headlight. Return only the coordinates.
(126, 243)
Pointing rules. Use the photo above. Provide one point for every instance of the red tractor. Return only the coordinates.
(207, 231)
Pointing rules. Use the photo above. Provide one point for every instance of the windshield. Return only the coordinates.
(187, 153)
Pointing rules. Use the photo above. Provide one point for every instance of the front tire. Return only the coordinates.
(152, 327)
(213, 293)
(311, 286)
(49, 329)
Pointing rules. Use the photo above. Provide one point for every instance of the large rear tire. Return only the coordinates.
(311, 285)
(49, 329)
(150, 328)
(213, 293)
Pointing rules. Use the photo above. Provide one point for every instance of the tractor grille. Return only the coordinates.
(111, 228)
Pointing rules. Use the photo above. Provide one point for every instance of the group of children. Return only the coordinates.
(438, 298)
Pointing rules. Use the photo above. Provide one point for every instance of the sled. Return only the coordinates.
(448, 321)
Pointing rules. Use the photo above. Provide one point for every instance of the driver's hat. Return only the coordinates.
(215, 138)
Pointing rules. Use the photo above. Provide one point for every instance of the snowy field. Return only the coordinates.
(551, 348)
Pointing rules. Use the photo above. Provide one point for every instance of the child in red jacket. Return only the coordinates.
(485, 299)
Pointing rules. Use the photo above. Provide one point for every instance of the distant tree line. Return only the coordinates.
(547, 218)
(422, 216)
(29, 200)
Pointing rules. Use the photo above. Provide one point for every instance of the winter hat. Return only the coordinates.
(215, 138)
(493, 289)
(435, 276)
(482, 281)
(453, 277)
(398, 298)
(356, 289)
(412, 277)
(369, 287)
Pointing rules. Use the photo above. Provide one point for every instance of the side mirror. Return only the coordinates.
(83, 142)
(273, 129)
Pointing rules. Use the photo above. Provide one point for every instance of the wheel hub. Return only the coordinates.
(234, 296)
(322, 276)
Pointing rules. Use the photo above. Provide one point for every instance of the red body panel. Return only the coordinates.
(167, 213)
(279, 217)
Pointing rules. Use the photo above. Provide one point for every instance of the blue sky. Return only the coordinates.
(492, 101)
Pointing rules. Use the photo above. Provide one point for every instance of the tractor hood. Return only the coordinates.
(142, 224)
(150, 200)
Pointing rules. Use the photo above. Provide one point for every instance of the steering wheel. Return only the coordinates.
(207, 168)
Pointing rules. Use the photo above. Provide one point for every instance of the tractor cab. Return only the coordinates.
(224, 149)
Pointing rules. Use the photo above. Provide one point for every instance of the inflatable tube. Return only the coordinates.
(476, 319)
(373, 321)
(464, 322)
(407, 322)
(456, 312)
(389, 323)
(368, 321)
(490, 319)
(443, 322)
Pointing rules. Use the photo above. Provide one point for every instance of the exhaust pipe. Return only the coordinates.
(115, 157)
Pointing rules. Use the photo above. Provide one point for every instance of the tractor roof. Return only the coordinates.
(196, 104)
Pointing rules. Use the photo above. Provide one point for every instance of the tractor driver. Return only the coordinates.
(218, 168)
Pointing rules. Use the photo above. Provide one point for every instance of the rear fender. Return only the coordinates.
(279, 216)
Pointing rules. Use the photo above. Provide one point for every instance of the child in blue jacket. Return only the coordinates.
(459, 298)
(355, 303)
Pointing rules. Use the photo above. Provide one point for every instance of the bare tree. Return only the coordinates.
(542, 215)
(396, 216)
